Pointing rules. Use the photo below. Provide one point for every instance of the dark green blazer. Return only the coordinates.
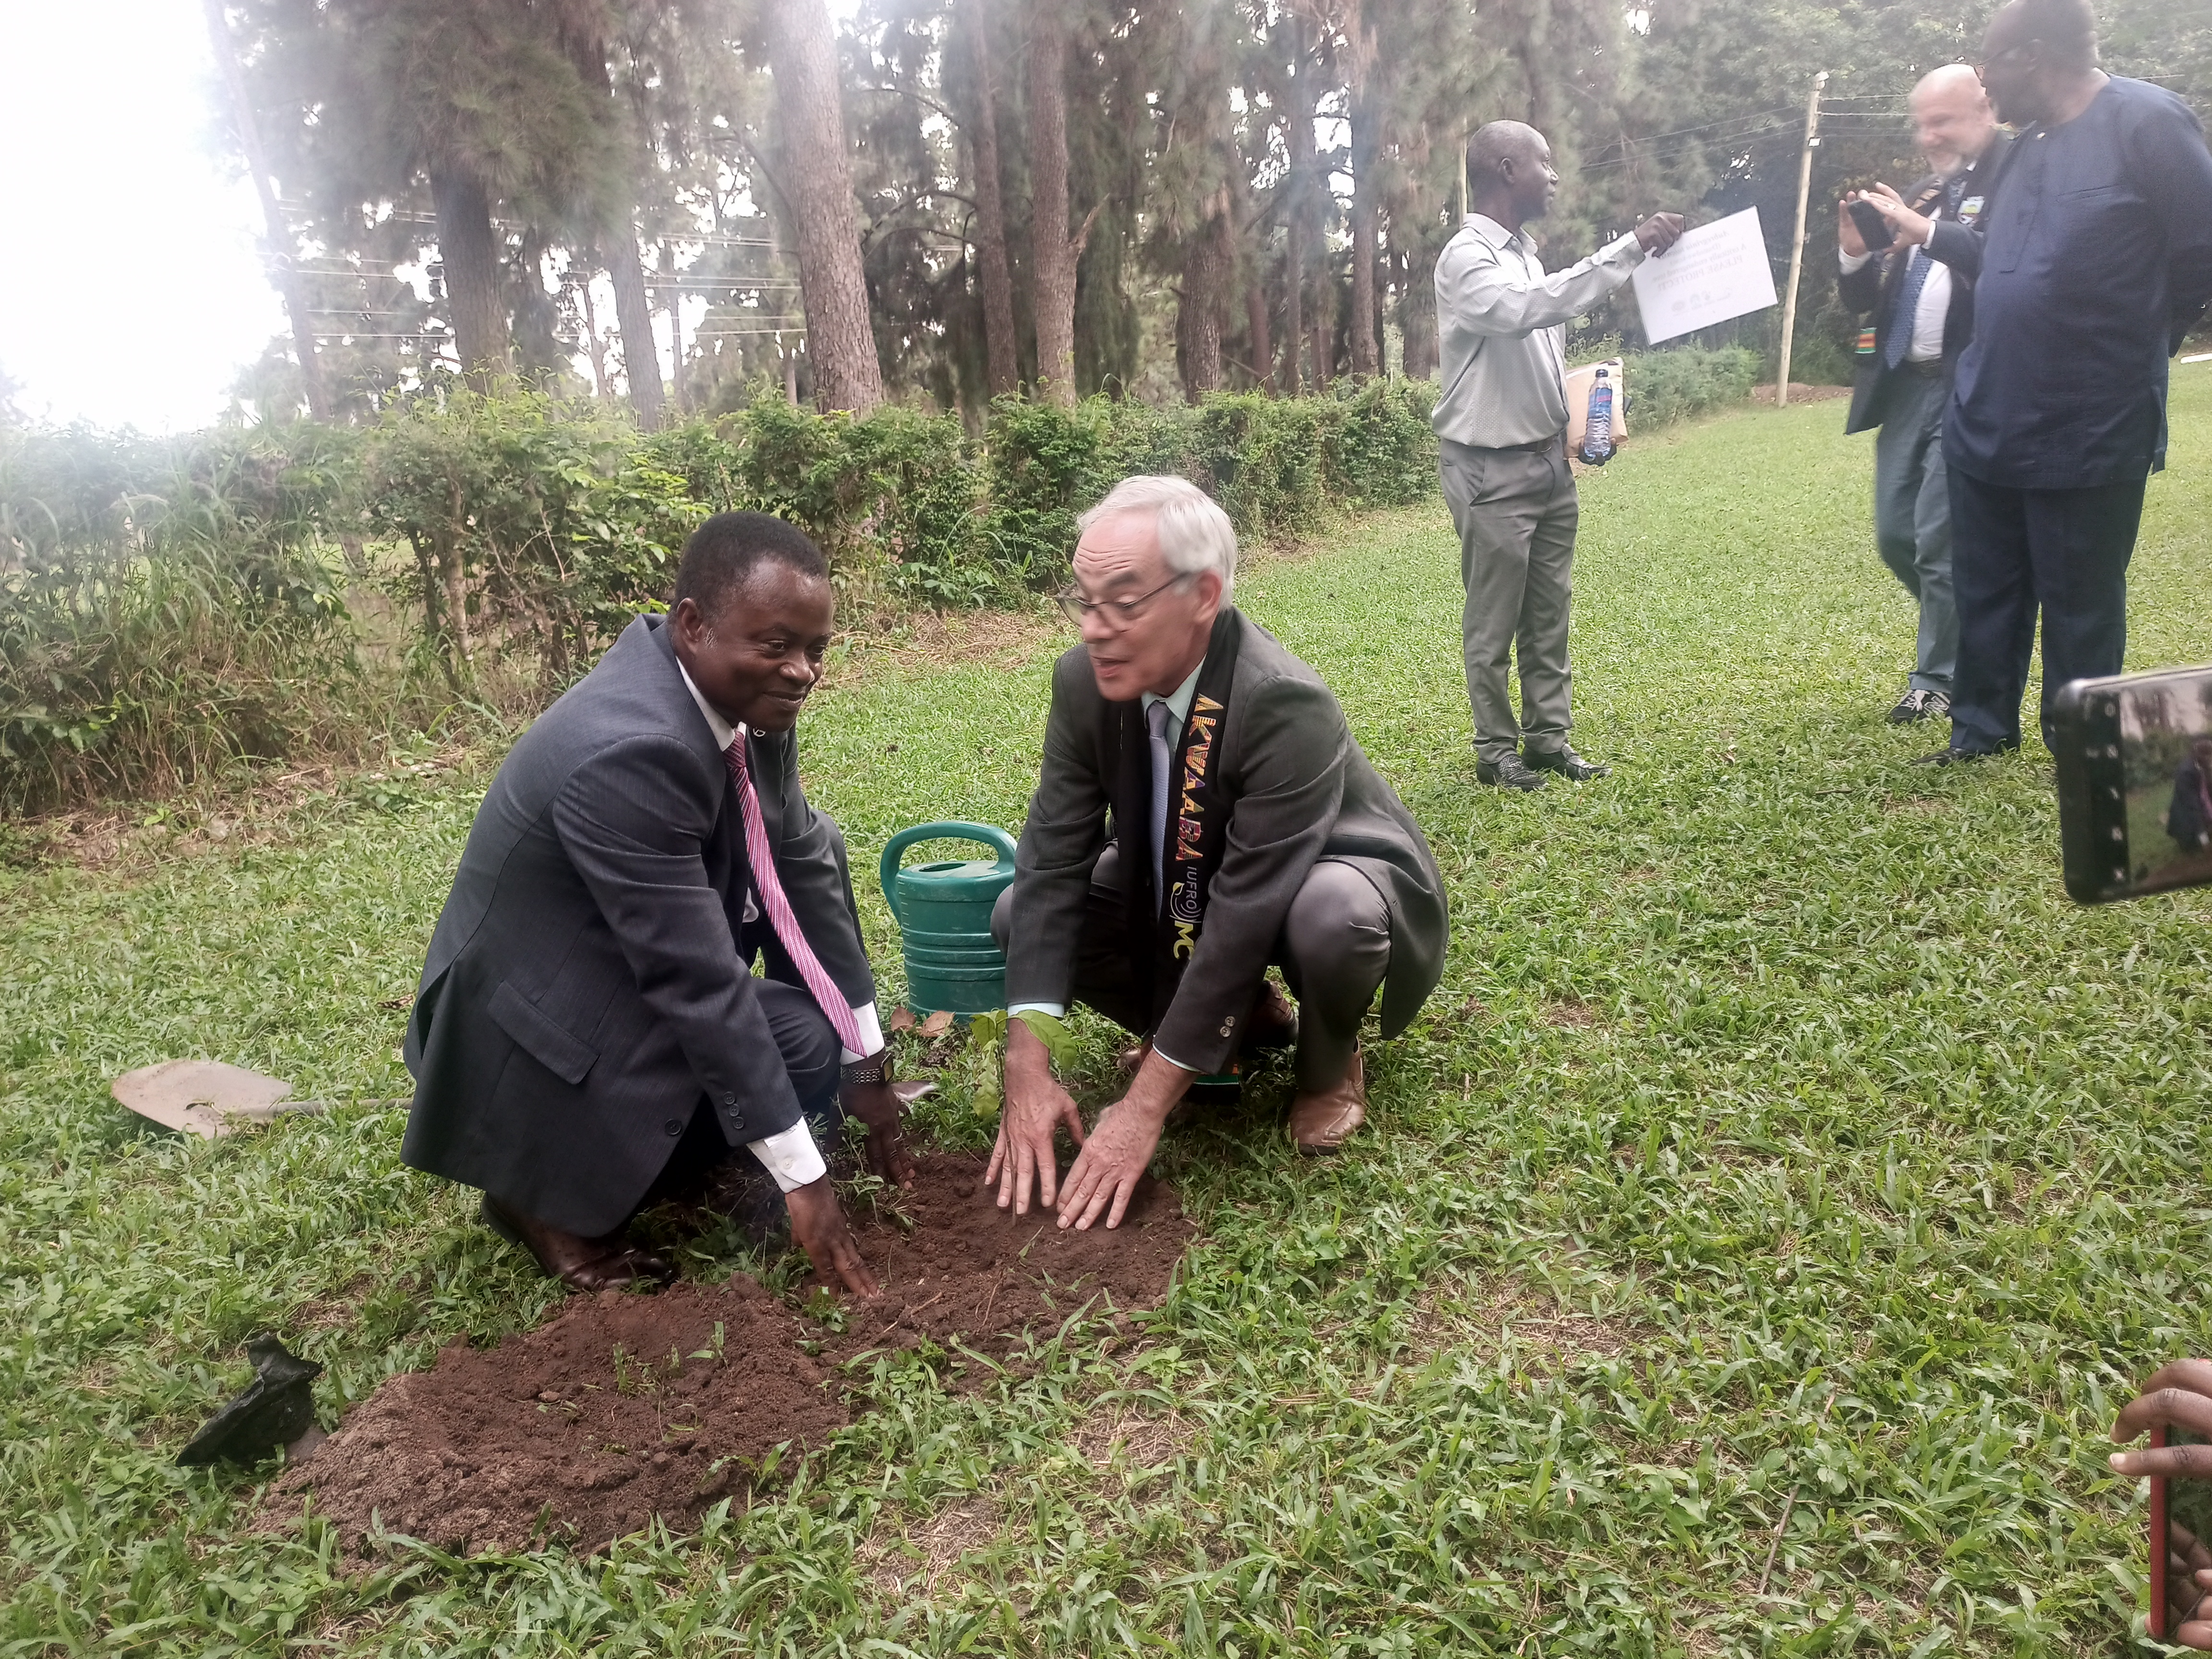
(1297, 788)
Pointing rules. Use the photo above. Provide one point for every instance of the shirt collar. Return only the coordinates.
(1179, 700)
(725, 733)
(1494, 232)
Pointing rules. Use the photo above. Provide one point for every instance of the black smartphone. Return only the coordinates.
(1874, 229)
(2180, 1523)
(2135, 782)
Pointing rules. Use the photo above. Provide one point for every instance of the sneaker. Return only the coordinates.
(1917, 705)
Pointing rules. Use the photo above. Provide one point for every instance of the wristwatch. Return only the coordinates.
(878, 1070)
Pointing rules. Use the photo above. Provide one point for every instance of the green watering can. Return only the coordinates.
(944, 912)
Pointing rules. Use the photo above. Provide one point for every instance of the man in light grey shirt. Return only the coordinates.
(1502, 424)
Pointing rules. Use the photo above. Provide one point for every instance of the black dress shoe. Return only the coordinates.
(585, 1265)
(1509, 772)
(1567, 763)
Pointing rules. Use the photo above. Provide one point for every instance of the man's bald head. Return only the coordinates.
(1952, 120)
(1499, 140)
(1510, 176)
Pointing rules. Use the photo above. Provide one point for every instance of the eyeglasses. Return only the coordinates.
(1983, 68)
(1117, 613)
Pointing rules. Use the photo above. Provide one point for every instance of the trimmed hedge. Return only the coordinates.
(165, 606)
(1673, 384)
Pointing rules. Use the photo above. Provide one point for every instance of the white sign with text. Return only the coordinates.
(1714, 272)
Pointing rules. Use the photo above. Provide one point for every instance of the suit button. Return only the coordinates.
(737, 1126)
(674, 1125)
(729, 1100)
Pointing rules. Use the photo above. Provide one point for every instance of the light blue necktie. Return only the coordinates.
(1156, 721)
(1906, 317)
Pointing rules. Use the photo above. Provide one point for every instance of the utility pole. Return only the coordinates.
(281, 270)
(1797, 238)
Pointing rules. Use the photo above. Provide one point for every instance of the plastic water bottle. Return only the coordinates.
(1597, 429)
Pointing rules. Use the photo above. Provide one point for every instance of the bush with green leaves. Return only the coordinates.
(529, 523)
(1682, 381)
(165, 606)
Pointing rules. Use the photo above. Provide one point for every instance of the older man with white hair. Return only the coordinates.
(1920, 316)
(1202, 812)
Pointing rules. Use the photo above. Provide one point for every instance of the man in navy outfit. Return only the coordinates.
(2091, 260)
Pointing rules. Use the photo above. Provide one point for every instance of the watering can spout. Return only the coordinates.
(943, 908)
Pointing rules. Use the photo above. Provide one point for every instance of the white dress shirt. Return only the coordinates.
(790, 1155)
(1178, 701)
(1934, 304)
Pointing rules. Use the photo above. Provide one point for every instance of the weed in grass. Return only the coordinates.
(1836, 1233)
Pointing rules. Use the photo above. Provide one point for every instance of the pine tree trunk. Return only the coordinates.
(999, 347)
(281, 269)
(592, 345)
(1205, 272)
(1053, 255)
(471, 254)
(1417, 315)
(1324, 330)
(634, 317)
(1365, 361)
(1254, 273)
(818, 187)
(1299, 139)
(536, 324)
(1256, 323)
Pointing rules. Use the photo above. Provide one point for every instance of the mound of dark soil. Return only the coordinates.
(964, 1268)
(625, 1406)
(618, 1409)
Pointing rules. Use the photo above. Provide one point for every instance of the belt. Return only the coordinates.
(1931, 370)
(1557, 440)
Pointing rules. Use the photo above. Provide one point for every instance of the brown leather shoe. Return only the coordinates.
(1325, 1119)
(1131, 1059)
(1274, 1020)
(589, 1265)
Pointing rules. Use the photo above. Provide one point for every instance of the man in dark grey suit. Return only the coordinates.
(1247, 828)
(587, 1023)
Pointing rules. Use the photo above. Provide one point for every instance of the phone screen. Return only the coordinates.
(1874, 229)
(2135, 776)
(2180, 1540)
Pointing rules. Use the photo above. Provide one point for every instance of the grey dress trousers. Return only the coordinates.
(1515, 511)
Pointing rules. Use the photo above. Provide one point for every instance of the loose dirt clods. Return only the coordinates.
(623, 1408)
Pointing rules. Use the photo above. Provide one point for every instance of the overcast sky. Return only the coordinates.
(132, 288)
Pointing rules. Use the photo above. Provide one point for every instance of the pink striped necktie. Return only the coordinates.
(781, 916)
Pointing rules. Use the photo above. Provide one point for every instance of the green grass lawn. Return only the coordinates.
(1784, 1165)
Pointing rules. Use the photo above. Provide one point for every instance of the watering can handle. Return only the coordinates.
(945, 829)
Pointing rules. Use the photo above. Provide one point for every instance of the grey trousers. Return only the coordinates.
(1912, 518)
(1516, 513)
(1334, 950)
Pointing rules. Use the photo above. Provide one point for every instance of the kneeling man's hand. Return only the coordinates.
(1036, 1104)
(877, 1108)
(818, 1226)
(1120, 1149)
